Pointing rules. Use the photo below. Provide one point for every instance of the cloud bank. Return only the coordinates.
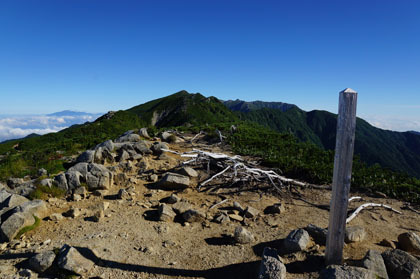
(14, 127)
(400, 124)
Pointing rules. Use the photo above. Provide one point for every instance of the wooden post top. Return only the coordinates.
(348, 90)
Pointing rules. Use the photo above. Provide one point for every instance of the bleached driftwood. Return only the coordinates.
(219, 203)
(214, 176)
(363, 206)
(354, 198)
(201, 132)
(407, 206)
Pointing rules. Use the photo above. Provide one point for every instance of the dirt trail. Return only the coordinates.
(132, 243)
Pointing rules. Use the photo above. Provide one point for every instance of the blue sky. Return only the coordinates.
(96, 56)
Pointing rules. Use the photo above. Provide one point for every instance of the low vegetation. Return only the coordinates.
(29, 228)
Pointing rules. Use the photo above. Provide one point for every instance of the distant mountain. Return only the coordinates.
(397, 150)
(414, 132)
(74, 114)
(33, 135)
(243, 106)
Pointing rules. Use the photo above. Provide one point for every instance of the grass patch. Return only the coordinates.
(43, 192)
(29, 228)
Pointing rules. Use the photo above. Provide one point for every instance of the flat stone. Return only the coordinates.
(71, 260)
(193, 215)
(236, 217)
(174, 181)
(401, 265)
(42, 261)
(221, 218)
(243, 236)
(251, 212)
(188, 171)
(166, 213)
(409, 242)
(346, 272)
(355, 234)
(297, 240)
(271, 265)
(374, 262)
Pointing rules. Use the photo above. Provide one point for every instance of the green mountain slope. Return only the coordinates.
(183, 108)
(395, 150)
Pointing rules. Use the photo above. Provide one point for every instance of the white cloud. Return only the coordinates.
(13, 127)
(399, 123)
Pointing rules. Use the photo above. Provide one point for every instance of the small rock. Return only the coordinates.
(166, 213)
(271, 265)
(81, 191)
(172, 199)
(27, 273)
(192, 216)
(153, 177)
(188, 171)
(374, 262)
(181, 207)
(98, 215)
(387, 243)
(276, 208)
(243, 236)
(143, 133)
(123, 194)
(221, 218)
(42, 261)
(297, 240)
(236, 217)
(251, 212)
(238, 207)
(100, 193)
(76, 197)
(401, 265)
(355, 234)
(70, 259)
(42, 172)
(346, 272)
(409, 242)
(56, 217)
(74, 212)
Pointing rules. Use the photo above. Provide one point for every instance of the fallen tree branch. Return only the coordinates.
(213, 177)
(201, 132)
(219, 203)
(363, 206)
(407, 206)
(354, 198)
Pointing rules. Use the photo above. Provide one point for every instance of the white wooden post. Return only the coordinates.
(343, 160)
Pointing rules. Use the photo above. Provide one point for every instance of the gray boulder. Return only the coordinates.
(12, 200)
(61, 181)
(123, 156)
(142, 147)
(14, 182)
(143, 133)
(166, 213)
(42, 172)
(374, 262)
(409, 242)
(86, 157)
(318, 234)
(271, 265)
(401, 265)
(4, 195)
(129, 138)
(354, 234)
(42, 261)
(346, 272)
(36, 208)
(71, 260)
(106, 145)
(99, 177)
(158, 146)
(47, 182)
(297, 240)
(73, 180)
(243, 236)
(173, 181)
(80, 167)
(165, 136)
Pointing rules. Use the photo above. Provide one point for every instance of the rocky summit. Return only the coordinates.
(183, 205)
